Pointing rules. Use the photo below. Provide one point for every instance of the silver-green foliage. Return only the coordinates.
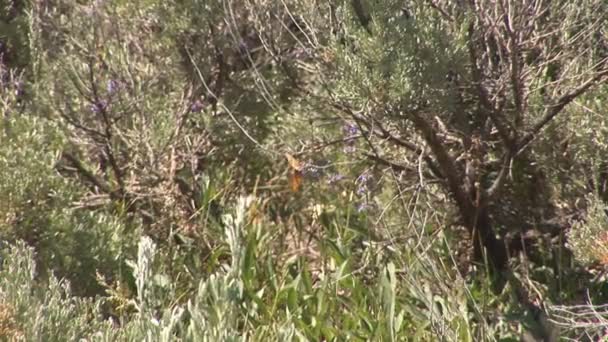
(38, 206)
(43, 313)
(588, 238)
(253, 297)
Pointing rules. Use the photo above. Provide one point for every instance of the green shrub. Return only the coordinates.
(42, 208)
(588, 238)
(253, 295)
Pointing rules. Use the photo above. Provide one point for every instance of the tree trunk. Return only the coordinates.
(486, 245)
(484, 238)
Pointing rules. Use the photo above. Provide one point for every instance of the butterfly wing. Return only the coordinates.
(293, 162)
(295, 174)
(295, 180)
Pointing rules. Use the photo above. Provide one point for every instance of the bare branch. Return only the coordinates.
(452, 173)
(412, 147)
(499, 181)
(86, 173)
(553, 110)
(380, 131)
(503, 131)
(394, 166)
(516, 77)
(439, 9)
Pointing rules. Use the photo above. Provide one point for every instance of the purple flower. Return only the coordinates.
(361, 190)
(363, 183)
(99, 106)
(350, 130)
(112, 86)
(197, 106)
(335, 178)
(365, 206)
(363, 178)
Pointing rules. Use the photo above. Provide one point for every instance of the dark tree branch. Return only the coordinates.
(394, 166)
(108, 125)
(453, 175)
(494, 189)
(383, 133)
(489, 109)
(95, 135)
(362, 15)
(323, 144)
(441, 11)
(412, 147)
(87, 174)
(514, 52)
(553, 110)
(222, 73)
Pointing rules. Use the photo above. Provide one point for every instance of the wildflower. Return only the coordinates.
(335, 178)
(361, 190)
(196, 107)
(363, 178)
(362, 183)
(112, 86)
(350, 130)
(365, 206)
(99, 106)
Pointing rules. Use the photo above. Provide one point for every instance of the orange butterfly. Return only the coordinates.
(295, 175)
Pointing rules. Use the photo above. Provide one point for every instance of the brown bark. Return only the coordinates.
(472, 205)
(486, 245)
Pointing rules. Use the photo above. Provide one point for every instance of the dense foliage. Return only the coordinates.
(305, 170)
